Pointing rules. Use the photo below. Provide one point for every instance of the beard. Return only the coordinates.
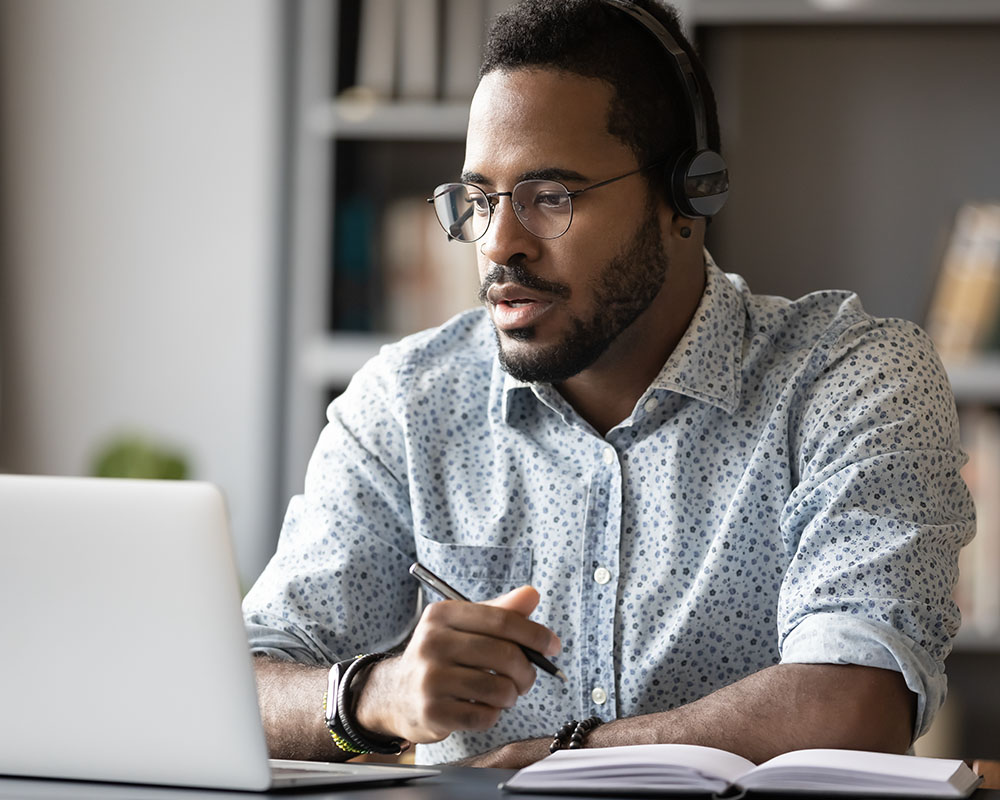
(623, 289)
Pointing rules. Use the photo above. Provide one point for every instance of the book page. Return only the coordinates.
(667, 767)
(861, 771)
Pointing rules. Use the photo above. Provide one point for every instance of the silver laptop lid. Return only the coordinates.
(123, 655)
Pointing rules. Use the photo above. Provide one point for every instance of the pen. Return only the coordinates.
(432, 581)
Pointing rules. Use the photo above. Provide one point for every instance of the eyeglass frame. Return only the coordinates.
(492, 198)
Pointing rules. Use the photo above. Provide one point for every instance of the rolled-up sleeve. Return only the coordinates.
(879, 512)
(337, 583)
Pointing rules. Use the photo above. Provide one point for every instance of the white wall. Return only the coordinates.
(138, 253)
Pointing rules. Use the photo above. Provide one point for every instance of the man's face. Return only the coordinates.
(557, 304)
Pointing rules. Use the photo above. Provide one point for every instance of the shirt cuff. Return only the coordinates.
(832, 639)
(280, 645)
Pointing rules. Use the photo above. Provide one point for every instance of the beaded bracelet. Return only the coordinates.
(573, 734)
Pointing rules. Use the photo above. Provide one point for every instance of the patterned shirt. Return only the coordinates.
(786, 490)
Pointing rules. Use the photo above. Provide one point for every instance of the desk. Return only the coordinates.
(454, 783)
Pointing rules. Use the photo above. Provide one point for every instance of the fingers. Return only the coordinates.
(448, 714)
(494, 691)
(481, 655)
(521, 600)
(495, 621)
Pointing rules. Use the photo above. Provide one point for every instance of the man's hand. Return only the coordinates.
(514, 755)
(461, 668)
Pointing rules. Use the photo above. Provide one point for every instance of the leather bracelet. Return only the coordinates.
(337, 730)
(355, 734)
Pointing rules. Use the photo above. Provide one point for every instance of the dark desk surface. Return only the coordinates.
(454, 783)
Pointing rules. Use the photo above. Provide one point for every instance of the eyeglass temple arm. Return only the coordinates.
(456, 226)
(578, 192)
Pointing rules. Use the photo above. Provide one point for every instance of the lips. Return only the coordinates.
(514, 307)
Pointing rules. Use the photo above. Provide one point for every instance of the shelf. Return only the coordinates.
(839, 12)
(976, 380)
(391, 121)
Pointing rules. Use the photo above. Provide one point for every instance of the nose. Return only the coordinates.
(506, 237)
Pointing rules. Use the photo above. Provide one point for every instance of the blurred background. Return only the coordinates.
(212, 213)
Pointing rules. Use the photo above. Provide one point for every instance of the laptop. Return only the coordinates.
(124, 656)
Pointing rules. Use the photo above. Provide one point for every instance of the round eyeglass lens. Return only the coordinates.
(544, 208)
(463, 210)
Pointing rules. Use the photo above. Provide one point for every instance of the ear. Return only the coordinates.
(684, 230)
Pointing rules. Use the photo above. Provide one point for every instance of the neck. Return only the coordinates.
(606, 392)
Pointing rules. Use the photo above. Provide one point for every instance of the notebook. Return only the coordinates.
(687, 769)
(124, 656)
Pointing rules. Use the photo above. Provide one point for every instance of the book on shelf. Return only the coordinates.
(964, 312)
(421, 49)
(354, 290)
(378, 39)
(692, 769)
(418, 49)
(465, 29)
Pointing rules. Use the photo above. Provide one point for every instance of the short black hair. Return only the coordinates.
(650, 111)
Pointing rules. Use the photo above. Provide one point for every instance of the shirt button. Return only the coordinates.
(599, 696)
(651, 404)
(601, 575)
(609, 455)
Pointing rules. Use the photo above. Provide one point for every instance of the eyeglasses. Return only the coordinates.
(544, 208)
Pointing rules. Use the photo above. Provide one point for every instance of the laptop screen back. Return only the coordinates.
(123, 652)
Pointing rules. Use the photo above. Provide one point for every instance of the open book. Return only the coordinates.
(692, 769)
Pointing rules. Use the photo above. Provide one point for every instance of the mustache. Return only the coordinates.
(514, 272)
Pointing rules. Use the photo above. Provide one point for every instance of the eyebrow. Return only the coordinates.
(544, 174)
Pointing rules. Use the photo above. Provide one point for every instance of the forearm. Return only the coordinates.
(461, 667)
(781, 708)
(291, 708)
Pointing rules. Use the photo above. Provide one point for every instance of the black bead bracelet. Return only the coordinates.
(573, 735)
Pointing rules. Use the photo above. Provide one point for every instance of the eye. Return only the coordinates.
(549, 200)
(479, 204)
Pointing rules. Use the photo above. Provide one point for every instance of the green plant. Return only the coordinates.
(134, 456)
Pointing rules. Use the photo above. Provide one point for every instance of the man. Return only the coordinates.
(740, 515)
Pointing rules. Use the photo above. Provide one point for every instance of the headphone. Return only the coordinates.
(699, 178)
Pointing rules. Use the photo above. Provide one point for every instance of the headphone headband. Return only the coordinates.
(681, 62)
(699, 180)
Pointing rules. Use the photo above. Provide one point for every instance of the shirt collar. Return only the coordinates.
(706, 362)
(704, 365)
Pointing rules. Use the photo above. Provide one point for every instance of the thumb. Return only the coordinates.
(521, 600)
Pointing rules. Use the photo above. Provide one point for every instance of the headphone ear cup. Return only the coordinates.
(677, 178)
(699, 184)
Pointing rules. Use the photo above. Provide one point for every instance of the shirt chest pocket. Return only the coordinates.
(480, 572)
